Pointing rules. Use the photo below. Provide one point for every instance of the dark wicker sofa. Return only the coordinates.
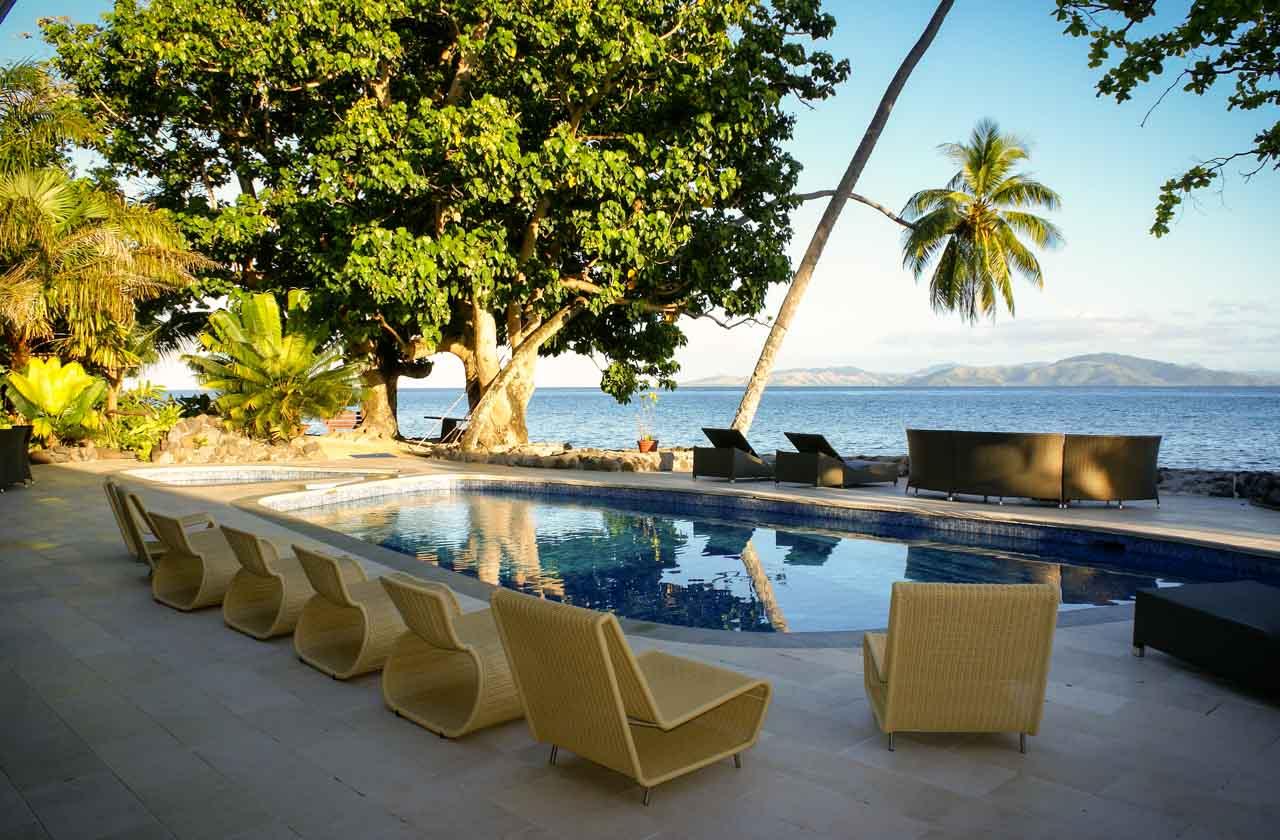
(730, 456)
(1051, 467)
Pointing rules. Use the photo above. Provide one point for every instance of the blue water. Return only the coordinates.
(1211, 428)
(694, 571)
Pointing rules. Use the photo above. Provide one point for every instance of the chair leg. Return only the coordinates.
(890, 742)
(737, 760)
(554, 750)
(1022, 743)
(1139, 651)
(647, 792)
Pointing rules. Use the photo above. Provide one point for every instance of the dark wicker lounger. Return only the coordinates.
(1229, 629)
(729, 456)
(818, 463)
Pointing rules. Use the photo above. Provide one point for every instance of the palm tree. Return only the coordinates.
(272, 373)
(39, 118)
(969, 230)
(75, 261)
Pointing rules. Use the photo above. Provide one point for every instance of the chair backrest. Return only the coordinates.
(970, 655)
(428, 609)
(255, 554)
(563, 665)
(170, 531)
(117, 510)
(325, 574)
(728, 439)
(812, 443)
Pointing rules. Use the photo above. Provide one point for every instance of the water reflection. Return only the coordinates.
(694, 572)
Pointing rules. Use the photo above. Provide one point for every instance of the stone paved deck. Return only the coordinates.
(122, 718)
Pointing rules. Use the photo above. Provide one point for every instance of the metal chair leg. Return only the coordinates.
(554, 750)
(1022, 743)
(737, 760)
(1139, 651)
(647, 791)
(890, 742)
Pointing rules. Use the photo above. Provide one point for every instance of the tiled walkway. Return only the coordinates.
(122, 718)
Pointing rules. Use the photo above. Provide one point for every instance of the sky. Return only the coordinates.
(1205, 293)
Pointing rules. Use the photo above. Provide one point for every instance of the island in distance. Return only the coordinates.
(1093, 370)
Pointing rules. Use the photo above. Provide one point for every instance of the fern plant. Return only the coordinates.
(272, 371)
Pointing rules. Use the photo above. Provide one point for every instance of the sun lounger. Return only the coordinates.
(267, 595)
(817, 462)
(448, 673)
(348, 627)
(196, 567)
(729, 456)
(962, 658)
(651, 717)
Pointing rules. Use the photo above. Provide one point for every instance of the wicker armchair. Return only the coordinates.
(134, 529)
(651, 717)
(448, 673)
(267, 595)
(348, 627)
(962, 657)
(196, 567)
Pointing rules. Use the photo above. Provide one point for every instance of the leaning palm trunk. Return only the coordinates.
(764, 366)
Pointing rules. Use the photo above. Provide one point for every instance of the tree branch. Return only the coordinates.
(875, 205)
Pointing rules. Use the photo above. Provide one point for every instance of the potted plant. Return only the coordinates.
(647, 442)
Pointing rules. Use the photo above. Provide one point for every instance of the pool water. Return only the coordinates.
(696, 571)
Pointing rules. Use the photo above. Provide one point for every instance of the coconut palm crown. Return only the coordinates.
(971, 231)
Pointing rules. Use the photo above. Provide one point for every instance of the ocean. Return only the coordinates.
(1210, 428)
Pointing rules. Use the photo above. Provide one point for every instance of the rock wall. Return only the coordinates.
(561, 456)
(203, 440)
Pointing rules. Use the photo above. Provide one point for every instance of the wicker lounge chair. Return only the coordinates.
(651, 717)
(131, 521)
(729, 456)
(196, 567)
(267, 595)
(349, 625)
(448, 673)
(962, 658)
(817, 462)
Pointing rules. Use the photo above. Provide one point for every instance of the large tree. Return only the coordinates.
(483, 178)
(1233, 42)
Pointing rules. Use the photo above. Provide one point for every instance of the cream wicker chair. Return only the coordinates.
(448, 673)
(267, 595)
(350, 624)
(962, 657)
(651, 717)
(133, 529)
(196, 567)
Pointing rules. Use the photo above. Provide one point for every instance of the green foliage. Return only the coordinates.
(646, 412)
(196, 405)
(970, 230)
(1228, 40)
(582, 173)
(271, 371)
(143, 417)
(59, 400)
(74, 259)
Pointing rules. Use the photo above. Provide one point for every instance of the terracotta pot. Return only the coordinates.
(648, 445)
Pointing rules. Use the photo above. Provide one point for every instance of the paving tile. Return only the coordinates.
(92, 806)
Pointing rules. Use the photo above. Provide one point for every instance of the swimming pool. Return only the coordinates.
(196, 476)
(648, 560)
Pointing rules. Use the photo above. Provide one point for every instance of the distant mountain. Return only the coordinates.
(1092, 370)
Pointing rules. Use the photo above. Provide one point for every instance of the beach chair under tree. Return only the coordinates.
(730, 456)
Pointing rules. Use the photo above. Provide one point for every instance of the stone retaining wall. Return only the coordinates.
(203, 440)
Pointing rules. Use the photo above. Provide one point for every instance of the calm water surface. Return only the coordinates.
(1223, 428)
(692, 571)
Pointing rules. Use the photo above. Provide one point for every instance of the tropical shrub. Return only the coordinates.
(272, 373)
(196, 405)
(144, 416)
(59, 400)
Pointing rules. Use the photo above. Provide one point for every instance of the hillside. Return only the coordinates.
(1092, 370)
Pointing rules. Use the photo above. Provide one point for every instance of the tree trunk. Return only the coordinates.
(498, 419)
(113, 394)
(378, 401)
(19, 353)
(768, 354)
